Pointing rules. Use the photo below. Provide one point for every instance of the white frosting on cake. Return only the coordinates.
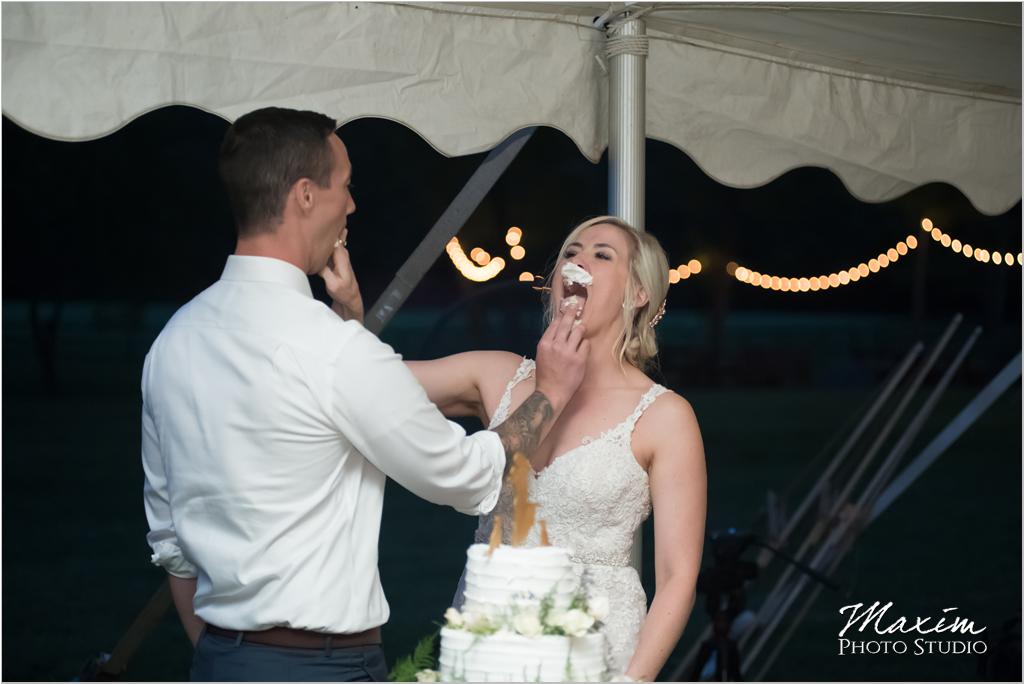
(498, 585)
(573, 273)
(519, 576)
(509, 657)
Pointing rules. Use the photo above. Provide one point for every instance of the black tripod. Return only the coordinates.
(723, 585)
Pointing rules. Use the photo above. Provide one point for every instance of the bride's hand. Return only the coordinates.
(341, 283)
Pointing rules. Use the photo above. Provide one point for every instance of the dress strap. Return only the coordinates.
(501, 412)
(646, 400)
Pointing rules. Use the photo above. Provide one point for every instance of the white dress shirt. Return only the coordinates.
(268, 428)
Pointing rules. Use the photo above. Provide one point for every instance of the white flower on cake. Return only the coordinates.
(454, 618)
(476, 622)
(428, 676)
(598, 607)
(572, 273)
(527, 623)
(576, 623)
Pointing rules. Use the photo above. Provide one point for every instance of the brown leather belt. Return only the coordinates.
(300, 638)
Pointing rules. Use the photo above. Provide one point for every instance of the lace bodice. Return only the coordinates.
(593, 497)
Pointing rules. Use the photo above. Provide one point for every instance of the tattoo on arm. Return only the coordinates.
(522, 431)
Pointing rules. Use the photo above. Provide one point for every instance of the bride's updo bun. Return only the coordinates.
(648, 272)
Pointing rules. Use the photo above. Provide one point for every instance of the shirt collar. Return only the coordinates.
(266, 270)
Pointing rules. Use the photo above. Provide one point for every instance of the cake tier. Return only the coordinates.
(519, 576)
(507, 657)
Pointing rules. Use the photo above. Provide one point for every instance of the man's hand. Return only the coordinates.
(341, 283)
(561, 358)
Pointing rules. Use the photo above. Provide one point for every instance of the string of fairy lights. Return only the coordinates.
(480, 266)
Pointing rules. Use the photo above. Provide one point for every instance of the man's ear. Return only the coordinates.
(302, 193)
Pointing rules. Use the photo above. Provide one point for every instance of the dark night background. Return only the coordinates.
(104, 239)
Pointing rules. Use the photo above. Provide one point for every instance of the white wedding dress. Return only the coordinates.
(593, 498)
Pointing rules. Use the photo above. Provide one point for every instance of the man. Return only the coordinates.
(270, 424)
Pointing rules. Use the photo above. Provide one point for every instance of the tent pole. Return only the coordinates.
(627, 131)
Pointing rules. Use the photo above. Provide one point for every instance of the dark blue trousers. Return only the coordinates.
(222, 659)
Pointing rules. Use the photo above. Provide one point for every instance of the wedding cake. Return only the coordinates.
(527, 616)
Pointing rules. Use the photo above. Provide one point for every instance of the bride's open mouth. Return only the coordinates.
(575, 281)
(573, 294)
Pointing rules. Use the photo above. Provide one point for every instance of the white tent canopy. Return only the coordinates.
(888, 96)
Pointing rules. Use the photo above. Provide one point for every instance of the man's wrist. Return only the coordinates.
(348, 313)
(555, 399)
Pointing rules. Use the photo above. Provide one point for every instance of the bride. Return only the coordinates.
(623, 445)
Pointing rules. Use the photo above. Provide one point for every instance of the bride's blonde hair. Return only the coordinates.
(648, 272)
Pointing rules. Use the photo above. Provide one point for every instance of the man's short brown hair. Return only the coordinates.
(262, 156)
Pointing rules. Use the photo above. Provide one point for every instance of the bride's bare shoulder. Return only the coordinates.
(668, 423)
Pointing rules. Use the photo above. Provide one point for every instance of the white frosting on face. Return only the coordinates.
(572, 273)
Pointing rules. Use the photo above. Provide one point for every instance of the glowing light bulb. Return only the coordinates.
(854, 275)
(957, 246)
(694, 266)
(684, 271)
(513, 236)
(893, 255)
(946, 240)
(517, 252)
(673, 276)
(873, 266)
(926, 224)
(833, 280)
(883, 260)
(911, 242)
(936, 234)
(901, 248)
(823, 282)
(731, 267)
(804, 284)
(741, 273)
(997, 258)
(1008, 258)
(526, 277)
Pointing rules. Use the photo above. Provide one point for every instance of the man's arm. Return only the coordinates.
(162, 537)
(385, 414)
(183, 591)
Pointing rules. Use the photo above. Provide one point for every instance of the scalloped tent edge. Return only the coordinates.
(888, 96)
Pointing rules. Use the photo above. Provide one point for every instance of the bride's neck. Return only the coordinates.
(603, 369)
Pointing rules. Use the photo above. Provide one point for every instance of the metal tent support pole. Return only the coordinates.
(451, 221)
(965, 419)
(627, 123)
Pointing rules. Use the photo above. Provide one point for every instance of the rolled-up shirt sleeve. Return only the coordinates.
(161, 538)
(385, 413)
